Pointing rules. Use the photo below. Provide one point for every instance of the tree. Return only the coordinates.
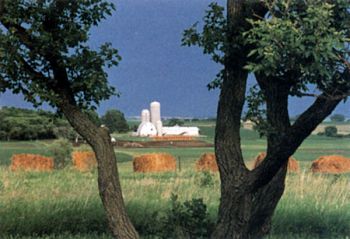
(29, 124)
(337, 118)
(44, 55)
(331, 131)
(115, 121)
(175, 121)
(288, 45)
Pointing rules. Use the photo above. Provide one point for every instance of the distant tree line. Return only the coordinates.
(336, 118)
(27, 124)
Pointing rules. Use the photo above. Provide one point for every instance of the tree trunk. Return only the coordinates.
(236, 201)
(108, 178)
(265, 201)
(244, 214)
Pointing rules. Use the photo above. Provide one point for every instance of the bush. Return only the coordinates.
(331, 131)
(25, 124)
(66, 132)
(205, 179)
(186, 220)
(174, 121)
(337, 118)
(61, 151)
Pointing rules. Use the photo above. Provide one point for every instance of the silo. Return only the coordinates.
(145, 116)
(159, 127)
(155, 112)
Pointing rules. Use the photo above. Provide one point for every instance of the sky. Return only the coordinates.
(155, 66)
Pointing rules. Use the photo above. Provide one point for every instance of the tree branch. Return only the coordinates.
(326, 96)
(302, 128)
(20, 32)
(29, 69)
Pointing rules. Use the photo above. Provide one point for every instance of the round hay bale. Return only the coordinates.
(331, 164)
(293, 165)
(31, 162)
(155, 162)
(207, 162)
(84, 160)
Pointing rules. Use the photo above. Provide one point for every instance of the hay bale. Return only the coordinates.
(84, 160)
(331, 164)
(207, 162)
(155, 162)
(132, 145)
(31, 162)
(293, 165)
(173, 138)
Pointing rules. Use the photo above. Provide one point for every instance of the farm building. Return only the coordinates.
(151, 125)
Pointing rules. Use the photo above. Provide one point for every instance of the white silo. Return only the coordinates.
(145, 116)
(155, 112)
(159, 127)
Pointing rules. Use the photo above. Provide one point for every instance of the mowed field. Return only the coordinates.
(65, 203)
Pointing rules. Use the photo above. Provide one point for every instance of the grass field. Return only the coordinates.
(65, 203)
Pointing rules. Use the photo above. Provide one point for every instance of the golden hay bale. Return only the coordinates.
(84, 161)
(331, 164)
(31, 162)
(293, 165)
(207, 162)
(173, 138)
(155, 162)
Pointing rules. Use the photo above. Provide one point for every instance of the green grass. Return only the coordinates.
(68, 201)
(66, 204)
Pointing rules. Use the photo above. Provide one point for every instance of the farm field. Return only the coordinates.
(65, 203)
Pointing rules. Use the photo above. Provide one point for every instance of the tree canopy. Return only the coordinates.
(25, 124)
(302, 43)
(40, 38)
(338, 118)
(115, 121)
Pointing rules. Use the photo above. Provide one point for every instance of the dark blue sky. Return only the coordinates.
(155, 66)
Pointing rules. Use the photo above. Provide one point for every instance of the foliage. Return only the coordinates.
(175, 121)
(61, 151)
(187, 220)
(256, 110)
(22, 124)
(44, 48)
(205, 179)
(66, 132)
(26, 124)
(337, 118)
(212, 38)
(331, 131)
(115, 121)
(302, 43)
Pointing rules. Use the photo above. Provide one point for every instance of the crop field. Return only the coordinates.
(65, 203)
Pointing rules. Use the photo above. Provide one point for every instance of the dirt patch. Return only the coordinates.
(31, 162)
(84, 160)
(207, 162)
(331, 164)
(155, 162)
(293, 165)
